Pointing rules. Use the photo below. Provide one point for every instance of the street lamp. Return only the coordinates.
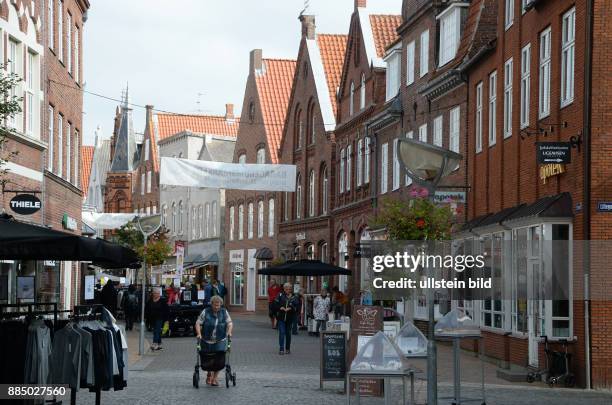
(148, 226)
(426, 165)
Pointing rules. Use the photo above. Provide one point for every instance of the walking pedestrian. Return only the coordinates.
(109, 297)
(339, 300)
(214, 326)
(321, 309)
(285, 306)
(130, 307)
(298, 312)
(273, 291)
(157, 313)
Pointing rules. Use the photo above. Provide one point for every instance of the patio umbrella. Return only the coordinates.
(305, 268)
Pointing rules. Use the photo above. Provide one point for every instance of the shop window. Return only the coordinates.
(237, 284)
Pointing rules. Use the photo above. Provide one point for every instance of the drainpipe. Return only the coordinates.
(586, 133)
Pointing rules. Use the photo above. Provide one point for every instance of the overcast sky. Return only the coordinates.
(169, 51)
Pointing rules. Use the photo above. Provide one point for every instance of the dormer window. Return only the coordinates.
(450, 32)
(393, 60)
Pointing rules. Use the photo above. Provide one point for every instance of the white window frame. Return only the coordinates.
(51, 23)
(298, 198)
(69, 42)
(394, 68)
(410, 56)
(349, 167)
(423, 133)
(69, 153)
(362, 92)
(261, 155)
(311, 194)
(342, 159)
(384, 168)
(75, 166)
(60, 145)
(146, 150)
(478, 117)
(493, 108)
(359, 162)
(260, 219)
(450, 32)
(213, 219)
(396, 166)
(568, 54)
(352, 99)
(366, 161)
(545, 73)
(271, 217)
(454, 129)
(250, 213)
(60, 30)
(77, 54)
(508, 13)
(50, 137)
(508, 77)
(242, 158)
(325, 193)
(437, 130)
(408, 179)
(241, 222)
(143, 183)
(149, 181)
(231, 223)
(525, 84)
(424, 53)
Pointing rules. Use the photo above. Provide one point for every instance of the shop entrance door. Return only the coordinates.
(251, 277)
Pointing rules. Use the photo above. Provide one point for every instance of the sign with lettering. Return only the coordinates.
(553, 152)
(366, 321)
(236, 256)
(605, 206)
(449, 197)
(25, 204)
(333, 356)
(69, 223)
(550, 170)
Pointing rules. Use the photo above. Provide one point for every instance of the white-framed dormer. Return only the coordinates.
(449, 28)
(393, 61)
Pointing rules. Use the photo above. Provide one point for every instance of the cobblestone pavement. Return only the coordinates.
(264, 377)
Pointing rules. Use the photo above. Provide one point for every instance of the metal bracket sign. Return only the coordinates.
(553, 152)
(604, 206)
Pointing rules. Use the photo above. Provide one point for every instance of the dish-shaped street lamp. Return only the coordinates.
(149, 225)
(426, 164)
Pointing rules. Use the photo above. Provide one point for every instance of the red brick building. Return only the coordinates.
(305, 223)
(251, 217)
(542, 76)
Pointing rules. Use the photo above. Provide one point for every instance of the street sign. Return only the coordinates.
(25, 204)
(333, 356)
(553, 152)
(605, 206)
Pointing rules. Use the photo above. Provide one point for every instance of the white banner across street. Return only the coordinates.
(237, 176)
(106, 220)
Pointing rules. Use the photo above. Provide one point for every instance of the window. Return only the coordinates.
(508, 98)
(366, 169)
(241, 222)
(30, 107)
(352, 99)
(492, 108)
(300, 135)
(396, 166)
(143, 184)
(51, 24)
(77, 54)
(410, 63)
(173, 217)
(200, 219)
(69, 41)
(261, 155)
(359, 162)
(423, 133)
(509, 13)
(349, 168)
(250, 221)
(311, 194)
(479, 117)
(568, 45)
(362, 92)
(393, 74)
(148, 181)
(545, 60)
(424, 56)
(50, 137)
(493, 308)
(242, 158)
(231, 223)
(450, 33)
(342, 159)
(60, 30)
(14, 68)
(525, 84)
(237, 283)
(298, 198)
(68, 153)
(453, 136)
(408, 179)
(60, 145)
(324, 193)
(146, 150)
(437, 130)
(313, 125)
(75, 166)
(384, 168)
(323, 252)
(181, 212)
(262, 290)
(194, 222)
(260, 219)
(286, 207)
(213, 219)
(271, 217)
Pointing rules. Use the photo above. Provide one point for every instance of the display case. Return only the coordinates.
(411, 341)
(456, 324)
(378, 353)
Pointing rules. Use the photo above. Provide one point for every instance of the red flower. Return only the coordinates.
(420, 223)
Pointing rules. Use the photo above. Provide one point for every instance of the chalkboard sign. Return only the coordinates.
(333, 356)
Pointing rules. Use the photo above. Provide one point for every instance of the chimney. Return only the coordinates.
(360, 3)
(308, 26)
(256, 60)
(229, 111)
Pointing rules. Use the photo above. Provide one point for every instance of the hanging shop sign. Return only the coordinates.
(449, 197)
(333, 357)
(69, 223)
(25, 204)
(554, 152)
(605, 206)
(550, 170)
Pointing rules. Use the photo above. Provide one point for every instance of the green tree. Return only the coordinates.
(10, 106)
(416, 219)
(158, 246)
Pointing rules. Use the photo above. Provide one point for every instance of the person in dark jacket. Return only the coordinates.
(285, 306)
(109, 297)
(131, 307)
(157, 313)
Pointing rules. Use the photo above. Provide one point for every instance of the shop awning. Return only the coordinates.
(212, 258)
(21, 241)
(264, 254)
(305, 268)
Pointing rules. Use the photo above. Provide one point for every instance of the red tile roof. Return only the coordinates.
(86, 161)
(384, 30)
(171, 124)
(332, 49)
(274, 88)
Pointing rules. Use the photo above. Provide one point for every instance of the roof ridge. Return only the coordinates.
(332, 35)
(281, 59)
(385, 15)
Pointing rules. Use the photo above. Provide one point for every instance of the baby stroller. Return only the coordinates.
(213, 361)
